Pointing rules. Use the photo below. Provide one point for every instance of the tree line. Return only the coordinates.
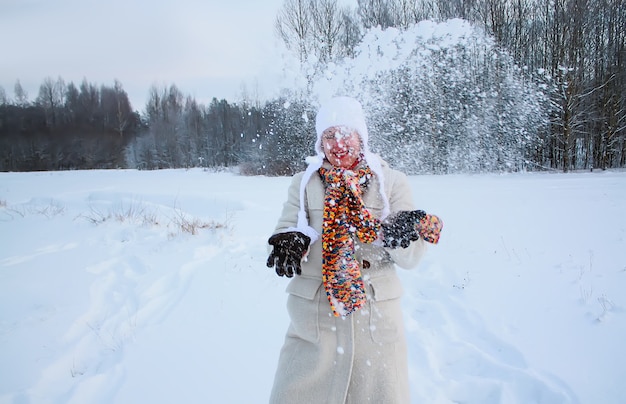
(548, 95)
(66, 127)
(94, 127)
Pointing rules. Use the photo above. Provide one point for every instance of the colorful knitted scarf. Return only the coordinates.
(345, 217)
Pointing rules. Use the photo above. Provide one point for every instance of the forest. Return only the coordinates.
(448, 86)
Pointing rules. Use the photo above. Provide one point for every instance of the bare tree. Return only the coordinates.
(88, 103)
(404, 12)
(376, 13)
(318, 32)
(3, 96)
(328, 26)
(293, 26)
(21, 96)
(115, 106)
(123, 112)
(352, 32)
(51, 98)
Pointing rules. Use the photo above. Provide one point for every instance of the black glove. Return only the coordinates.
(399, 228)
(289, 248)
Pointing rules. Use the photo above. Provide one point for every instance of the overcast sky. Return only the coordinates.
(208, 48)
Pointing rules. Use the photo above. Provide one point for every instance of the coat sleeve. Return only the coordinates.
(289, 216)
(400, 198)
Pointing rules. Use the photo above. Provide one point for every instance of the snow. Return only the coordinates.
(106, 296)
(435, 83)
(382, 51)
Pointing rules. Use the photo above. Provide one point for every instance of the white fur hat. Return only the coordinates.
(338, 111)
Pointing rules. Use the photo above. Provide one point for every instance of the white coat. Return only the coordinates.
(360, 358)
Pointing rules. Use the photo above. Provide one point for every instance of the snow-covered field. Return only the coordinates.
(106, 296)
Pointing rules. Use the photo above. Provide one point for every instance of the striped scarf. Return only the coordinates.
(345, 216)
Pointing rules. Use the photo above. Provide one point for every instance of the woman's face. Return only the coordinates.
(341, 145)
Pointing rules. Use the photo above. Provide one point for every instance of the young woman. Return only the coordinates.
(348, 221)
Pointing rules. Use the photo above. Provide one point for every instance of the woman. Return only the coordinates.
(348, 220)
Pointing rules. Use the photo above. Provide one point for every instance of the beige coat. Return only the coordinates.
(360, 358)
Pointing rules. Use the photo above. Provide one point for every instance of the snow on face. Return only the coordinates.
(341, 145)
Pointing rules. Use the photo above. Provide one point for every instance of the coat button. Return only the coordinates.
(366, 264)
